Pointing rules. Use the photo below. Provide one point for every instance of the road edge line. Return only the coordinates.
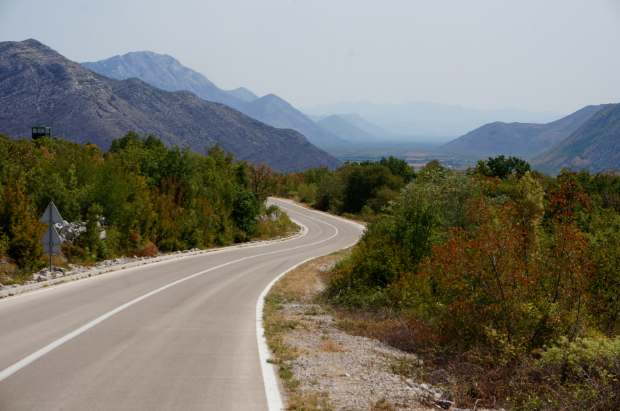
(272, 388)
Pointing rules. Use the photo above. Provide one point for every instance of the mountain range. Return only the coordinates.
(167, 73)
(429, 119)
(525, 140)
(38, 85)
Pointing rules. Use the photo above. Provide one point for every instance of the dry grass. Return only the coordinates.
(386, 327)
(306, 281)
(383, 405)
(328, 345)
(308, 401)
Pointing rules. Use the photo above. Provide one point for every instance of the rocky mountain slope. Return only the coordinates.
(344, 129)
(594, 146)
(38, 85)
(521, 139)
(161, 71)
(167, 73)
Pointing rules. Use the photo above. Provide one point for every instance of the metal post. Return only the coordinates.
(51, 237)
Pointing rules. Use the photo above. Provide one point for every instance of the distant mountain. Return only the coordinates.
(359, 122)
(521, 139)
(38, 85)
(243, 93)
(430, 119)
(281, 114)
(164, 72)
(594, 146)
(169, 74)
(316, 119)
(373, 129)
(345, 130)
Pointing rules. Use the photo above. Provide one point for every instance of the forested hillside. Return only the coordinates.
(503, 281)
(153, 197)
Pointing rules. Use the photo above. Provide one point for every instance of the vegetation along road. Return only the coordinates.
(179, 335)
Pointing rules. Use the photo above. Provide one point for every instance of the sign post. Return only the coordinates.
(51, 240)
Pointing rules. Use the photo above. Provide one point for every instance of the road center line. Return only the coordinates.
(38, 354)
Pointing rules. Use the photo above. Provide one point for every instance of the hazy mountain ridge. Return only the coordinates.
(359, 122)
(37, 84)
(594, 146)
(167, 73)
(243, 93)
(281, 114)
(342, 128)
(521, 139)
(425, 118)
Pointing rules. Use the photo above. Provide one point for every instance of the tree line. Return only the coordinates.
(154, 197)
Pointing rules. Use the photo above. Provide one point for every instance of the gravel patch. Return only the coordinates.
(354, 372)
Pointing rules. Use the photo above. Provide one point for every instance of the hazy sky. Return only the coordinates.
(529, 54)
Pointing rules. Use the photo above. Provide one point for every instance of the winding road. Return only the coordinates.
(173, 335)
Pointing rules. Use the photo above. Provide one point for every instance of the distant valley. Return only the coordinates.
(431, 120)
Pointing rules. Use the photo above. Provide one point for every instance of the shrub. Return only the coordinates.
(582, 358)
(150, 250)
(72, 251)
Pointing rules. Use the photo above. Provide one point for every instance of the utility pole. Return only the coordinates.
(51, 240)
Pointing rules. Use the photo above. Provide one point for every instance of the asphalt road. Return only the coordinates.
(150, 338)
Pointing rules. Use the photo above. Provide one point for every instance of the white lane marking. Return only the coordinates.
(274, 399)
(120, 270)
(32, 357)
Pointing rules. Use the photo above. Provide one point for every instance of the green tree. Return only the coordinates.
(22, 228)
(363, 183)
(501, 167)
(246, 208)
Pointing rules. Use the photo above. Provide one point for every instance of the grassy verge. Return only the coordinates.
(295, 286)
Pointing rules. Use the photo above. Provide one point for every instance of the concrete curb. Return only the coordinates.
(91, 273)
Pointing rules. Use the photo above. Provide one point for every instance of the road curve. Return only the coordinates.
(174, 335)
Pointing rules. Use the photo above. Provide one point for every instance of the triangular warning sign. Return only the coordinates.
(51, 214)
(51, 236)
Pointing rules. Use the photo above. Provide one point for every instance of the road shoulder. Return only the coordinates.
(322, 367)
